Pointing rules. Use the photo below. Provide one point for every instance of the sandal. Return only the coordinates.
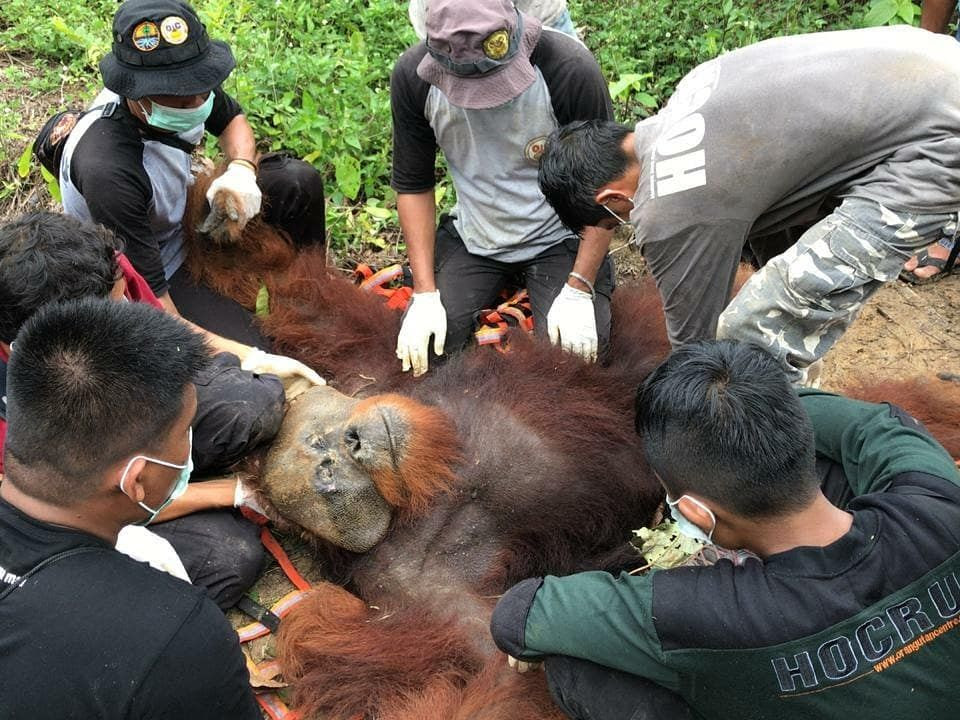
(925, 259)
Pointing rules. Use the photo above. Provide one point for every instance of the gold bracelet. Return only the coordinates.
(245, 163)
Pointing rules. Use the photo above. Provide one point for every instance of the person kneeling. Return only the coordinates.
(855, 511)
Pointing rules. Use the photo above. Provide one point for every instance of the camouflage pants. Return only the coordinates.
(800, 303)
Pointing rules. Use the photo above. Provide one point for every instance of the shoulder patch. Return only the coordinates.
(534, 149)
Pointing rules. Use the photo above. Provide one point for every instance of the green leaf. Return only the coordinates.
(664, 546)
(646, 99)
(52, 186)
(624, 84)
(23, 164)
(378, 212)
(262, 306)
(881, 12)
(347, 170)
(907, 11)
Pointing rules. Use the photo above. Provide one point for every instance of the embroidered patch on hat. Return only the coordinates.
(174, 30)
(146, 37)
(497, 45)
(535, 148)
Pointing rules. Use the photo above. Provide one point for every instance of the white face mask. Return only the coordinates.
(688, 528)
(179, 486)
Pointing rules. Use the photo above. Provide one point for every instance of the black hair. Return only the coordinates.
(720, 419)
(90, 382)
(579, 159)
(47, 256)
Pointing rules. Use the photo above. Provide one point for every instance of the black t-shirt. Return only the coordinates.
(99, 635)
(134, 184)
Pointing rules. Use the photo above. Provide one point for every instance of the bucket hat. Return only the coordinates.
(478, 53)
(160, 47)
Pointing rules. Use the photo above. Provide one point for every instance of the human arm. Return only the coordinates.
(201, 674)
(593, 616)
(874, 443)
(935, 14)
(414, 158)
(695, 270)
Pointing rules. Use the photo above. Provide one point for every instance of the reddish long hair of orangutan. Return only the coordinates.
(238, 268)
(403, 664)
(429, 454)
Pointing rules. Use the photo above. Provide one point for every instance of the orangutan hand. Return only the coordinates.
(522, 666)
(241, 182)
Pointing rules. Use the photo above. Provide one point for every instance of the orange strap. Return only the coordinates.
(271, 544)
(273, 706)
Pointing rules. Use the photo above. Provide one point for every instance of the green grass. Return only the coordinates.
(313, 75)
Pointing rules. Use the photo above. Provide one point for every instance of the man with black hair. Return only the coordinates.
(785, 138)
(849, 601)
(487, 87)
(100, 398)
(46, 257)
(127, 162)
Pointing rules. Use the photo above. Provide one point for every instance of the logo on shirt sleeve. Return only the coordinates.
(534, 149)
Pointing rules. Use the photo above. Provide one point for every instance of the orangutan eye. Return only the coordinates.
(317, 442)
(351, 438)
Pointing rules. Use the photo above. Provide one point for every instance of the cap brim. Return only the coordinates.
(493, 88)
(189, 79)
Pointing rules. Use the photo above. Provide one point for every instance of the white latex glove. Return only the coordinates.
(245, 496)
(571, 323)
(242, 182)
(296, 376)
(425, 317)
(522, 666)
(146, 546)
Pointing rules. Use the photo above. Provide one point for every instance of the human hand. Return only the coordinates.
(425, 316)
(522, 666)
(246, 496)
(241, 182)
(296, 377)
(572, 323)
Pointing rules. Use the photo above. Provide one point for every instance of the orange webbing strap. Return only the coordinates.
(275, 707)
(374, 282)
(271, 544)
(515, 311)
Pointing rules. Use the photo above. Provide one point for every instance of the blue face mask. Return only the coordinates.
(179, 487)
(177, 119)
(688, 528)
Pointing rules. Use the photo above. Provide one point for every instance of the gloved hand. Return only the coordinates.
(245, 496)
(522, 666)
(241, 181)
(571, 322)
(425, 317)
(295, 376)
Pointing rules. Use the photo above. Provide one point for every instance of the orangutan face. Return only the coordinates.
(319, 472)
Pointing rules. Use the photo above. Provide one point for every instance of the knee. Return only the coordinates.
(236, 561)
(236, 412)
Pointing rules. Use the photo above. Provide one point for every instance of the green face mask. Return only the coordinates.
(177, 119)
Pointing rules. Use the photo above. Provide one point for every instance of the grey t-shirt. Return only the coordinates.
(762, 138)
(493, 154)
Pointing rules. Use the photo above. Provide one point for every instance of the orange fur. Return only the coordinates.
(429, 458)
(239, 267)
(935, 403)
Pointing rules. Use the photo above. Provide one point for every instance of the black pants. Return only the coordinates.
(587, 691)
(292, 201)
(221, 551)
(237, 411)
(469, 283)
